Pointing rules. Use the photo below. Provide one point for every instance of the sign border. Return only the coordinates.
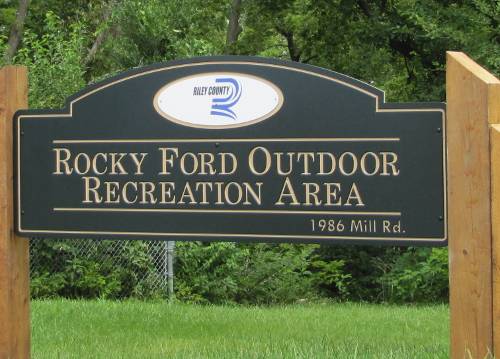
(380, 106)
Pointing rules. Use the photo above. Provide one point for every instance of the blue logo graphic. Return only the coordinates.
(222, 106)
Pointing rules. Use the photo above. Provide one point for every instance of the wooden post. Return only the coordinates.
(472, 107)
(14, 251)
(495, 208)
(494, 101)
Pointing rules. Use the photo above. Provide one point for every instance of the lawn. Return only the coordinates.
(133, 329)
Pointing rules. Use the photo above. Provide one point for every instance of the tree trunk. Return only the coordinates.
(233, 29)
(293, 50)
(102, 35)
(16, 33)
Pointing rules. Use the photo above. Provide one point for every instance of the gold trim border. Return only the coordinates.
(377, 109)
(223, 140)
(215, 211)
(242, 235)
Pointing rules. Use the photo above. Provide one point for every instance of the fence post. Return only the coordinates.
(14, 251)
(170, 256)
(471, 108)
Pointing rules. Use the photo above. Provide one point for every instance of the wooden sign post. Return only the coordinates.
(473, 109)
(14, 251)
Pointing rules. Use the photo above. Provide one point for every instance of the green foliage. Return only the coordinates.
(331, 274)
(7, 16)
(54, 62)
(101, 272)
(418, 275)
(144, 32)
(231, 273)
(3, 44)
(247, 274)
(382, 274)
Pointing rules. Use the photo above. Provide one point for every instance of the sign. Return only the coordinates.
(233, 148)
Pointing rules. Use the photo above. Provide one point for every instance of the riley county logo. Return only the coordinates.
(218, 100)
(225, 94)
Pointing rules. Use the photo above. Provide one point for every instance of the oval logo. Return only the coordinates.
(218, 100)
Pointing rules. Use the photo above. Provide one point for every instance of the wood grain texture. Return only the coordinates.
(14, 251)
(470, 244)
(495, 219)
(494, 113)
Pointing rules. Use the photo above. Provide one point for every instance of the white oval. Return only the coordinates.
(218, 100)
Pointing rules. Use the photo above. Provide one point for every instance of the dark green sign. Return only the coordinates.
(233, 148)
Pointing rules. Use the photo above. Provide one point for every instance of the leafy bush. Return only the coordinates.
(54, 60)
(235, 273)
(62, 268)
(232, 273)
(418, 275)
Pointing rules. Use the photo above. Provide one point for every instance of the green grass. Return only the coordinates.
(132, 329)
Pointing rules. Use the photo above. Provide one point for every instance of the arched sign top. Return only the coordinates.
(233, 148)
(200, 63)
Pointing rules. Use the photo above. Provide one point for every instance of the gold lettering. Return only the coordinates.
(64, 162)
(167, 160)
(279, 168)
(91, 190)
(86, 165)
(312, 190)
(250, 191)
(375, 167)
(322, 171)
(332, 194)
(219, 192)
(354, 163)
(223, 170)
(386, 163)
(94, 163)
(354, 195)
(287, 191)
(251, 161)
(188, 192)
(111, 188)
(166, 194)
(307, 156)
(116, 164)
(238, 191)
(138, 162)
(183, 163)
(125, 192)
(147, 189)
(204, 186)
(206, 163)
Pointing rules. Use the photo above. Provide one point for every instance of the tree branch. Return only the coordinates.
(16, 33)
(102, 35)
(293, 50)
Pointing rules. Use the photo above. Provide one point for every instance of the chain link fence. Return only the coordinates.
(89, 268)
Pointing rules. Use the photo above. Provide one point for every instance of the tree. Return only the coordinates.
(16, 32)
